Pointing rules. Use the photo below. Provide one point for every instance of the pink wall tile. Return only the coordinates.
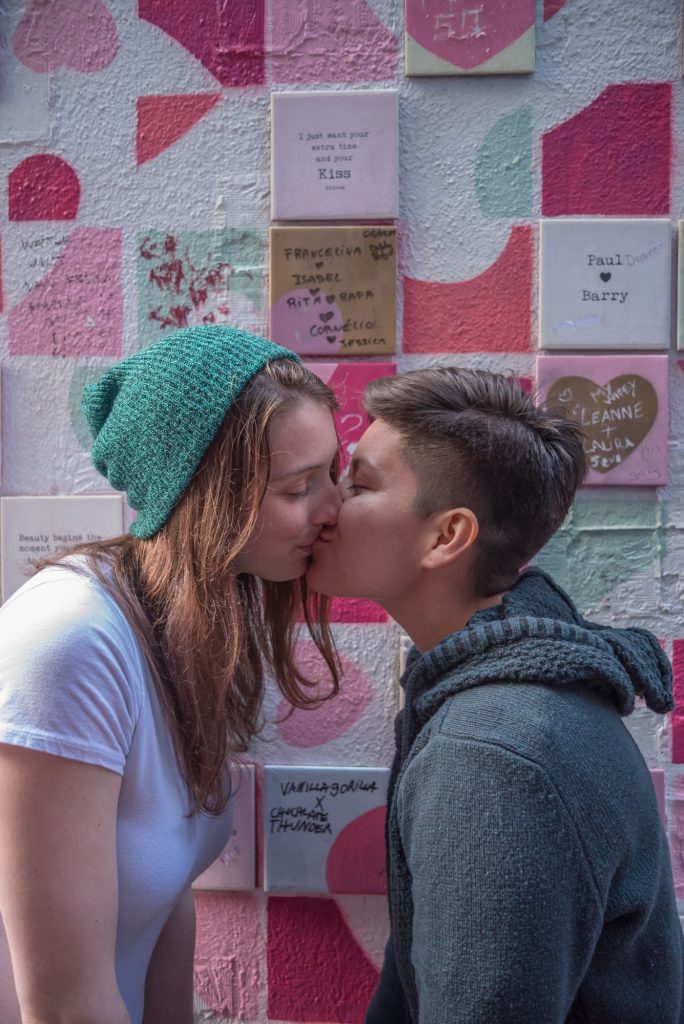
(330, 978)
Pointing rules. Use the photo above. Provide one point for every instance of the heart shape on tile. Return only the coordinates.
(614, 417)
(80, 34)
(605, 275)
(464, 34)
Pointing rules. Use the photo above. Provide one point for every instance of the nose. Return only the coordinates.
(329, 506)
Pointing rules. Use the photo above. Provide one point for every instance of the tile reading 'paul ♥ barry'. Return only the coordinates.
(605, 284)
(469, 37)
(621, 404)
(324, 829)
(334, 155)
(333, 290)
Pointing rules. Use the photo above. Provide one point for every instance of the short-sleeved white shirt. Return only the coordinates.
(74, 682)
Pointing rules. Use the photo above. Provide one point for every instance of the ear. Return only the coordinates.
(453, 533)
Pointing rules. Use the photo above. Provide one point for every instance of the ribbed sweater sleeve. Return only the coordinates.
(505, 909)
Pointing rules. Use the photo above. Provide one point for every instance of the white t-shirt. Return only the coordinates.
(74, 682)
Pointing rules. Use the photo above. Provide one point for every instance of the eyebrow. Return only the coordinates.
(299, 471)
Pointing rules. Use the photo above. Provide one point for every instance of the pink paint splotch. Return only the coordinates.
(316, 726)
(77, 308)
(229, 953)
(80, 34)
(329, 41)
(43, 187)
(356, 861)
(614, 157)
(316, 969)
(162, 120)
(227, 36)
(488, 313)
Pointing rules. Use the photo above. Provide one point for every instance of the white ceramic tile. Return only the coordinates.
(605, 284)
(34, 528)
(234, 868)
(324, 829)
(334, 154)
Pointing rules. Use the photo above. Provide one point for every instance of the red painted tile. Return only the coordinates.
(488, 313)
(612, 158)
(316, 969)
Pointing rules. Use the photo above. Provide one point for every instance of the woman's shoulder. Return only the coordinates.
(72, 676)
(64, 600)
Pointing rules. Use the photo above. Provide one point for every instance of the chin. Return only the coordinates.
(321, 585)
(316, 581)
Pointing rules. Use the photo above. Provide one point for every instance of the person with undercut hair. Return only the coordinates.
(528, 871)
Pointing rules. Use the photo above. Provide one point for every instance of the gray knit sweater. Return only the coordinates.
(529, 875)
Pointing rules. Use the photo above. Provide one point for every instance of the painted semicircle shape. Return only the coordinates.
(43, 187)
(491, 312)
(313, 727)
(356, 861)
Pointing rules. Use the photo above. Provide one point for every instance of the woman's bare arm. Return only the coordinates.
(58, 886)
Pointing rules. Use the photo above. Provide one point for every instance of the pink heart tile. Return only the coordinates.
(79, 34)
(467, 34)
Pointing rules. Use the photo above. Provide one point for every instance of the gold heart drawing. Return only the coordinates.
(615, 417)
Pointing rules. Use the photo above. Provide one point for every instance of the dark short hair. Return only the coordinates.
(475, 439)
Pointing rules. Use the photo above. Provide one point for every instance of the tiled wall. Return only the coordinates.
(135, 196)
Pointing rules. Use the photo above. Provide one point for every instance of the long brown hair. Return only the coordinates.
(209, 633)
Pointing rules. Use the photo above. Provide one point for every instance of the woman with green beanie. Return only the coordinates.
(132, 671)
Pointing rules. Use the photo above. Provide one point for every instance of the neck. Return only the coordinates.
(440, 610)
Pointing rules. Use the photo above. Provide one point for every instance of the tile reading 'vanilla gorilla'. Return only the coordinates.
(324, 829)
(621, 404)
(605, 284)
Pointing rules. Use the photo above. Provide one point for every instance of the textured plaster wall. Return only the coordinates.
(135, 166)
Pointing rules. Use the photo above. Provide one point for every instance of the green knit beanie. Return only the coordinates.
(154, 415)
